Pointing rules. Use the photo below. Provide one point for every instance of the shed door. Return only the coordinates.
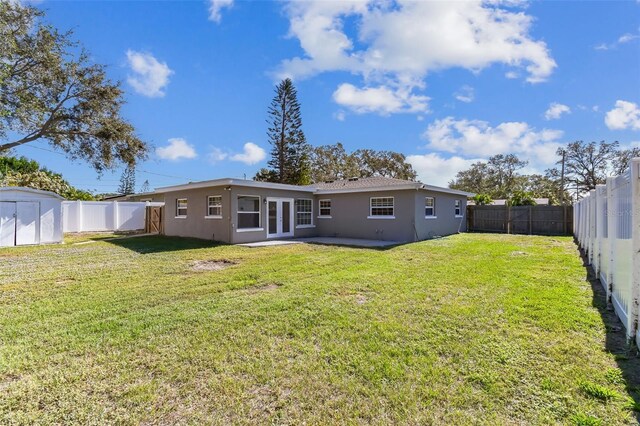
(7, 224)
(27, 226)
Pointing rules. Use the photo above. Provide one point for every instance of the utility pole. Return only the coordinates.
(564, 207)
(564, 153)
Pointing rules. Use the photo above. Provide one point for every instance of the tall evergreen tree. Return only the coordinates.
(128, 181)
(289, 147)
(145, 187)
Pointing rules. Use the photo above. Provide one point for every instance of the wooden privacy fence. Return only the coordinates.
(530, 220)
(607, 228)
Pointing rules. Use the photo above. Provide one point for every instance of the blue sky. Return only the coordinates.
(445, 83)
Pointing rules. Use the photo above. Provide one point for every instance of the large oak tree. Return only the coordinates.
(51, 91)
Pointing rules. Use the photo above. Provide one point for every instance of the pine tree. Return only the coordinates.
(289, 147)
(128, 181)
(145, 187)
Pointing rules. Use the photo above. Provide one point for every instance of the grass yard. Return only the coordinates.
(469, 329)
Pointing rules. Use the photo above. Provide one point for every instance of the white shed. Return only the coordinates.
(29, 216)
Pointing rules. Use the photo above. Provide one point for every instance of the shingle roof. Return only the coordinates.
(364, 183)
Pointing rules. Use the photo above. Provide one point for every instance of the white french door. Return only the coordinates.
(279, 217)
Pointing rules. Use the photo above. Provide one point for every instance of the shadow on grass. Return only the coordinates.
(159, 243)
(626, 354)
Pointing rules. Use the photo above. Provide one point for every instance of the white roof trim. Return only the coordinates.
(31, 190)
(307, 188)
(368, 189)
(235, 182)
(447, 190)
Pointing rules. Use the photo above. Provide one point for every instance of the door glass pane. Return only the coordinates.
(273, 217)
(286, 217)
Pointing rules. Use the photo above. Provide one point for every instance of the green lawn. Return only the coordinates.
(469, 329)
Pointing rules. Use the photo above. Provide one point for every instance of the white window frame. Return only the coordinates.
(186, 208)
(295, 210)
(393, 209)
(433, 208)
(238, 212)
(320, 208)
(457, 208)
(209, 206)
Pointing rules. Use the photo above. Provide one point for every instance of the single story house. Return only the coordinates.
(242, 211)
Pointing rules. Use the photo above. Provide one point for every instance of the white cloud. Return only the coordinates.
(150, 77)
(471, 138)
(340, 115)
(381, 100)
(465, 94)
(215, 9)
(625, 115)
(556, 110)
(434, 169)
(251, 154)
(216, 155)
(511, 75)
(395, 45)
(177, 149)
(626, 38)
(623, 39)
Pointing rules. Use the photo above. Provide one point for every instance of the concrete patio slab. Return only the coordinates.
(352, 242)
(270, 243)
(334, 241)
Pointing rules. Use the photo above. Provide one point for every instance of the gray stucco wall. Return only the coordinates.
(195, 224)
(261, 235)
(349, 216)
(446, 222)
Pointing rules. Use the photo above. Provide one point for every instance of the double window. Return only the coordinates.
(429, 207)
(381, 207)
(304, 212)
(325, 208)
(248, 211)
(181, 207)
(214, 206)
(458, 210)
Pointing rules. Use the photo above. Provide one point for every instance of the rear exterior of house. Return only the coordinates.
(241, 211)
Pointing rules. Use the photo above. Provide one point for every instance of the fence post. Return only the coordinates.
(611, 235)
(80, 216)
(635, 252)
(116, 216)
(508, 218)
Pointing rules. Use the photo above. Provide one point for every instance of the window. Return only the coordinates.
(381, 207)
(325, 208)
(458, 210)
(430, 207)
(304, 212)
(181, 207)
(248, 212)
(214, 206)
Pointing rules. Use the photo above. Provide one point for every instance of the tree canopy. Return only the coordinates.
(21, 171)
(330, 162)
(51, 91)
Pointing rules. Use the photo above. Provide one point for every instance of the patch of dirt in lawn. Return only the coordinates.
(211, 265)
(518, 253)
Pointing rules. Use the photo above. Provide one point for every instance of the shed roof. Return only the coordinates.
(39, 192)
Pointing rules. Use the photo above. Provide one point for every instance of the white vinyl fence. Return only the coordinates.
(607, 228)
(87, 216)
